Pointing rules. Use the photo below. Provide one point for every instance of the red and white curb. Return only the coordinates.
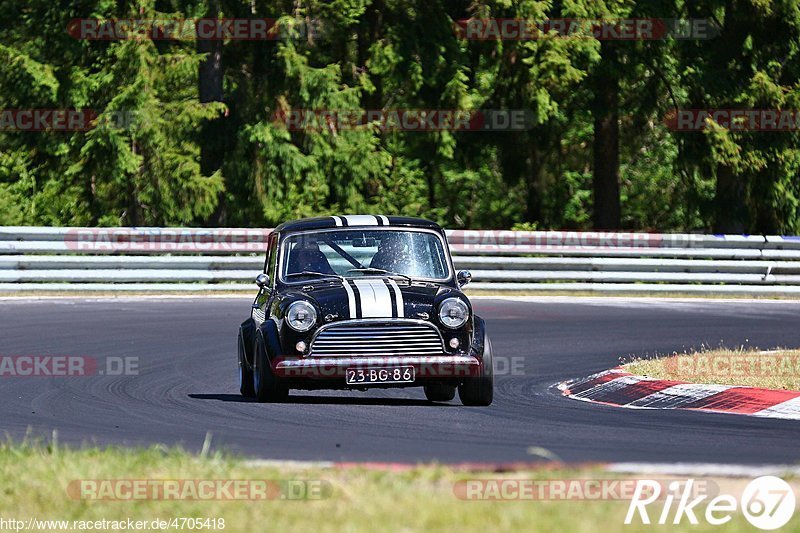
(620, 388)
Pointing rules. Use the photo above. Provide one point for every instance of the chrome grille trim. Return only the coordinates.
(377, 337)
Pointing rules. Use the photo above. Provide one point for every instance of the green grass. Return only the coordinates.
(35, 480)
(751, 368)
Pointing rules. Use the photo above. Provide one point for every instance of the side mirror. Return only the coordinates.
(463, 277)
(262, 280)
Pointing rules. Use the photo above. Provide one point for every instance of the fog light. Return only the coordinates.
(300, 346)
(454, 343)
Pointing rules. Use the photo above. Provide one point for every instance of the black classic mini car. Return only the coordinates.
(363, 301)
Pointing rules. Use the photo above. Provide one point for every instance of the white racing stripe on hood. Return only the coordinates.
(398, 296)
(375, 299)
(351, 299)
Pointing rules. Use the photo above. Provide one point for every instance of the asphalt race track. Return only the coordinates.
(186, 385)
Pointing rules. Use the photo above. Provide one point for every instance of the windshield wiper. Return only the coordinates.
(313, 273)
(382, 271)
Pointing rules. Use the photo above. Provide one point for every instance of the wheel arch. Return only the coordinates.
(478, 337)
(272, 342)
(247, 332)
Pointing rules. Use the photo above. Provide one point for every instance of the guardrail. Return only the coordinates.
(227, 259)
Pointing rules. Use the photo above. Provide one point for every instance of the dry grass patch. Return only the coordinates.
(779, 369)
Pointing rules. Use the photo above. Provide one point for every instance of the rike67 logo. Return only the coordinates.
(767, 502)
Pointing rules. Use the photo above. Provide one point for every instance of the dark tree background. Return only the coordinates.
(202, 146)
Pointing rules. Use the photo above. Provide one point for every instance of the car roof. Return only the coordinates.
(304, 224)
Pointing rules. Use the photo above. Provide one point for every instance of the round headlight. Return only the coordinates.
(301, 316)
(453, 313)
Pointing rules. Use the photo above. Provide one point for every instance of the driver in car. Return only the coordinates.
(306, 256)
(392, 255)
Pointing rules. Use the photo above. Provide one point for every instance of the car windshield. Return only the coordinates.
(360, 253)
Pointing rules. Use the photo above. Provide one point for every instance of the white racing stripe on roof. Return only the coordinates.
(337, 220)
(361, 220)
(375, 299)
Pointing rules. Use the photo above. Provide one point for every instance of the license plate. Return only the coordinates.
(372, 376)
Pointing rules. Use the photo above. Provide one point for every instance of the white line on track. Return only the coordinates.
(704, 469)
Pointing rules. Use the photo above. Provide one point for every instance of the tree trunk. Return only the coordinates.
(730, 207)
(729, 202)
(533, 199)
(212, 137)
(606, 140)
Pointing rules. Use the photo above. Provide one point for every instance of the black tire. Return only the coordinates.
(479, 391)
(245, 371)
(438, 392)
(267, 387)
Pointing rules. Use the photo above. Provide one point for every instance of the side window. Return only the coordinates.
(271, 259)
(268, 254)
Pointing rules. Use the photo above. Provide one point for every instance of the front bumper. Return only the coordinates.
(427, 368)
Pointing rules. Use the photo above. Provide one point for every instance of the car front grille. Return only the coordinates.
(379, 338)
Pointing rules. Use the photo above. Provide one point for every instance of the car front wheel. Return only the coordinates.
(479, 390)
(268, 387)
